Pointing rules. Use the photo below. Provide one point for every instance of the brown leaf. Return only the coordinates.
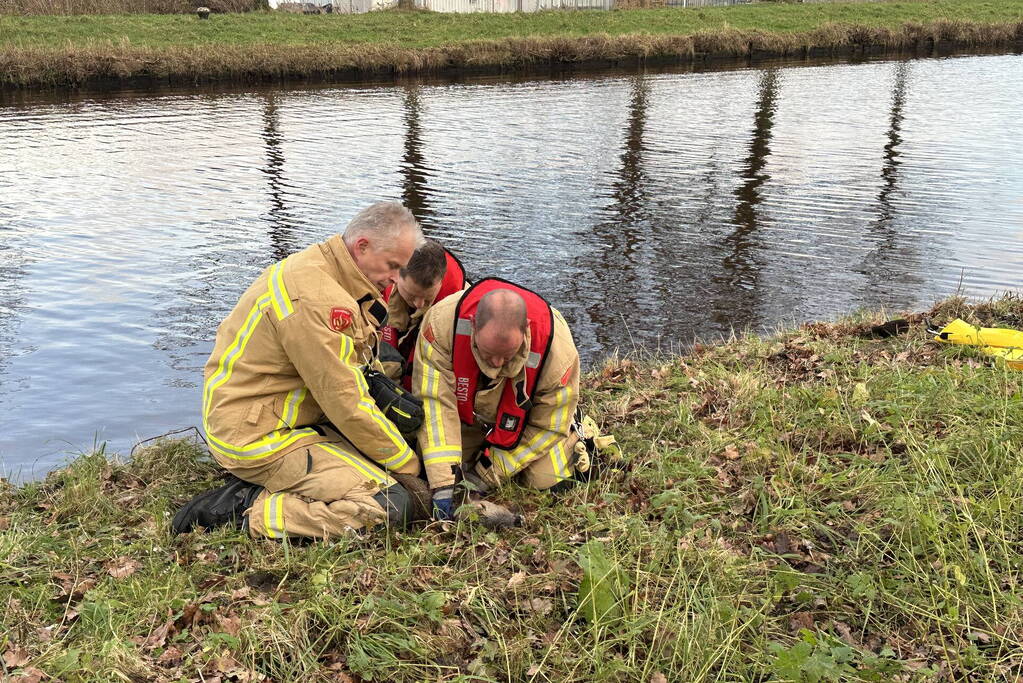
(230, 624)
(533, 670)
(658, 678)
(5, 523)
(731, 452)
(801, 620)
(539, 606)
(30, 675)
(172, 656)
(16, 656)
(517, 579)
(226, 664)
(240, 593)
(159, 635)
(123, 566)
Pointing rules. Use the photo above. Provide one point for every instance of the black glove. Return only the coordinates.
(398, 405)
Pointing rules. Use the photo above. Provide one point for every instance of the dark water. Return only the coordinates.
(651, 208)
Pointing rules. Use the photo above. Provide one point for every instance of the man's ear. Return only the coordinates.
(362, 245)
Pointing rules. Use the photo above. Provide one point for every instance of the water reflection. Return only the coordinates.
(282, 228)
(618, 256)
(414, 193)
(890, 264)
(740, 268)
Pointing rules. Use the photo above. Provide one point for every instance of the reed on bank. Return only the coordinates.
(43, 50)
(809, 506)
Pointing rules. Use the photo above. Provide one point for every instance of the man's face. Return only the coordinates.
(496, 345)
(380, 262)
(414, 294)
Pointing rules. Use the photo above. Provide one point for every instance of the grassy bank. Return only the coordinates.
(41, 50)
(813, 506)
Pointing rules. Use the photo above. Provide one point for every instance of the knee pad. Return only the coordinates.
(397, 502)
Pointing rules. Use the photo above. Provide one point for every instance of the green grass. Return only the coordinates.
(423, 29)
(811, 506)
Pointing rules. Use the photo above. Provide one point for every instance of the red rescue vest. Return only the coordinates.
(516, 398)
(405, 340)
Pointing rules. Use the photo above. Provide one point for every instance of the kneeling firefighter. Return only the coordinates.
(287, 409)
(498, 373)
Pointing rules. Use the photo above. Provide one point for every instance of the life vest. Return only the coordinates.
(516, 397)
(405, 340)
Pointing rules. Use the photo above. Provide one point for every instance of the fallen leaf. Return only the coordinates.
(658, 678)
(230, 624)
(517, 579)
(15, 657)
(800, 620)
(226, 664)
(171, 656)
(159, 635)
(5, 523)
(539, 606)
(731, 452)
(240, 593)
(533, 670)
(123, 566)
(30, 675)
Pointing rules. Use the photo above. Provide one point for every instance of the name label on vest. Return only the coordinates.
(462, 388)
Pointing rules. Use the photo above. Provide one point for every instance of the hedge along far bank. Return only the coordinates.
(125, 64)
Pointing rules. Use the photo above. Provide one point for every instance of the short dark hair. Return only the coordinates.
(427, 265)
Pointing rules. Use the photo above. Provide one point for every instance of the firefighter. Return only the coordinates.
(286, 407)
(498, 373)
(433, 273)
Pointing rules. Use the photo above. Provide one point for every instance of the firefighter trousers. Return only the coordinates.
(323, 491)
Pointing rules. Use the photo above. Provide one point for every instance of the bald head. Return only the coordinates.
(500, 326)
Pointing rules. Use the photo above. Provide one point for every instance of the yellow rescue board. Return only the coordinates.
(994, 341)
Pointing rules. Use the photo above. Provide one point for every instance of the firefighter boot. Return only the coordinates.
(221, 506)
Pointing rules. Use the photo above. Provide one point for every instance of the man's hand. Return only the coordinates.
(443, 506)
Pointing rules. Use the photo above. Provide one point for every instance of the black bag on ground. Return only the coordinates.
(398, 405)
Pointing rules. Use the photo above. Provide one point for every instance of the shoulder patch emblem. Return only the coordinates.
(428, 333)
(340, 319)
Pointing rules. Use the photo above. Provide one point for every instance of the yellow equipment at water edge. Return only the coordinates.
(998, 342)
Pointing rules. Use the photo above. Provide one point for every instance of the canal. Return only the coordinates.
(652, 208)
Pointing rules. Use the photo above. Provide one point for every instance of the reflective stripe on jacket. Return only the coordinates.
(517, 397)
(288, 358)
(548, 422)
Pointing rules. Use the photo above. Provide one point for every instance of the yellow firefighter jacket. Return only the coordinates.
(549, 422)
(288, 357)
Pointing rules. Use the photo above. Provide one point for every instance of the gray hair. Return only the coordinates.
(382, 223)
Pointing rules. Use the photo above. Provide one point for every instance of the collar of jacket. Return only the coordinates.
(512, 369)
(351, 279)
(399, 313)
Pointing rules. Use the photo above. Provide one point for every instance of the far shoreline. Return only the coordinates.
(140, 51)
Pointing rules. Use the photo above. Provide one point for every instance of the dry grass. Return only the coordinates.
(77, 7)
(127, 63)
(814, 506)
